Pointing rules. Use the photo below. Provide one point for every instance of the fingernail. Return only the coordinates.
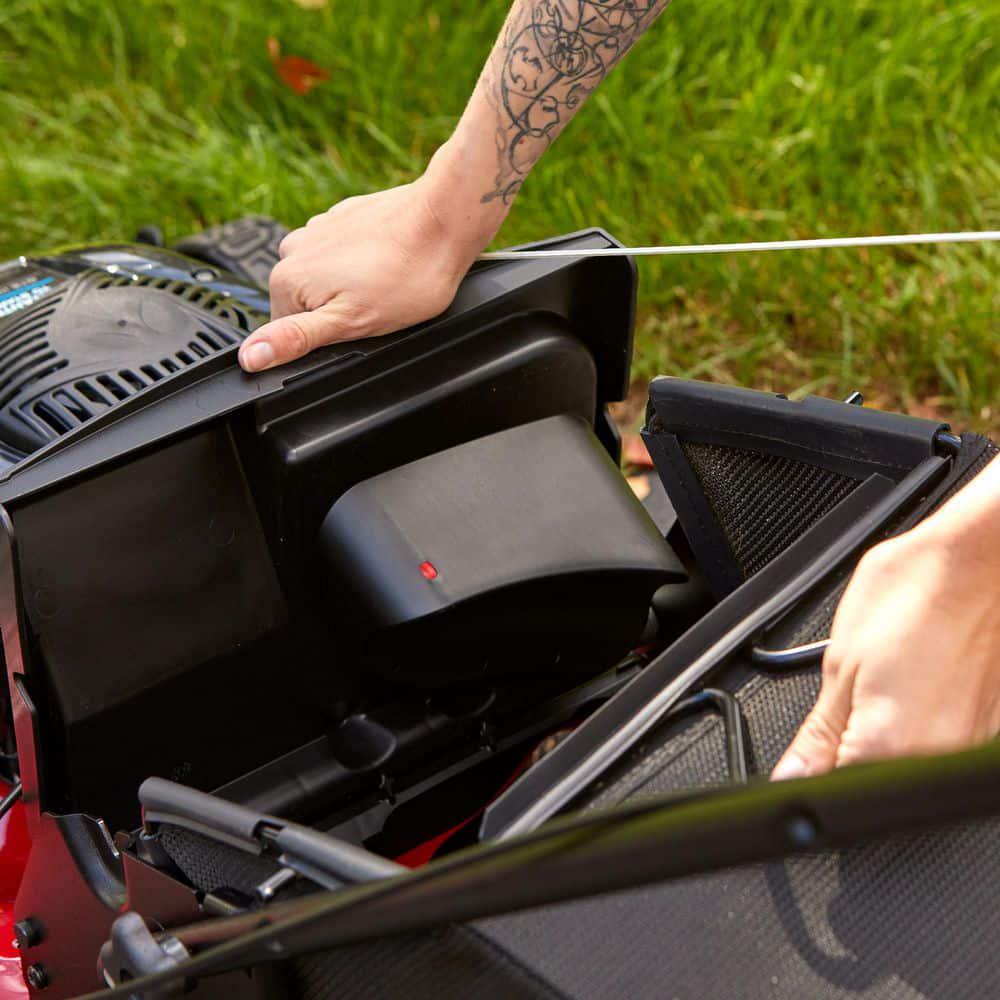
(790, 768)
(257, 356)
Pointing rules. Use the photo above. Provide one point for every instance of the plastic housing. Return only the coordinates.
(524, 550)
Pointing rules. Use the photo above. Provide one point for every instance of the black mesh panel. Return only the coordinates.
(455, 962)
(763, 503)
(692, 753)
(906, 919)
(210, 865)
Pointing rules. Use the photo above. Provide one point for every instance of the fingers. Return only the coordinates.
(287, 286)
(815, 747)
(288, 338)
(874, 732)
(295, 238)
(290, 241)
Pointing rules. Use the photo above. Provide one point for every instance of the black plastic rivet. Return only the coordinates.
(37, 977)
(802, 831)
(27, 933)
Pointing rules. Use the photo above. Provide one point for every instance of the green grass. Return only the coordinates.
(733, 120)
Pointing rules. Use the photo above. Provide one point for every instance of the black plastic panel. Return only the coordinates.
(167, 569)
(150, 575)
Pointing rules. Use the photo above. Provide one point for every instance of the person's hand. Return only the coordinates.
(913, 665)
(371, 265)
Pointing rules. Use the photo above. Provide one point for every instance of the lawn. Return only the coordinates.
(732, 120)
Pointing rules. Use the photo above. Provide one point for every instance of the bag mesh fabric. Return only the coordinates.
(763, 503)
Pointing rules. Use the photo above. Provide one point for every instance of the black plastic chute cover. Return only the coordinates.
(523, 550)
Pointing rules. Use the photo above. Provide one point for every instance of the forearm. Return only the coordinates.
(549, 57)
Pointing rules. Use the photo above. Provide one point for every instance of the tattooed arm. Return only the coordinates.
(378, 263)
(549, 58)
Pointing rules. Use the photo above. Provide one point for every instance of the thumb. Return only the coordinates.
(814, 748)
(287, 338)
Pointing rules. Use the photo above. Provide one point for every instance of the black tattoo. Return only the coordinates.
(551, 55)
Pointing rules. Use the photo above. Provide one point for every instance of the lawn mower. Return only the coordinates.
(371, 676)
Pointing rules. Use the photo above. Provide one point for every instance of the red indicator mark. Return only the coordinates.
(428, 571)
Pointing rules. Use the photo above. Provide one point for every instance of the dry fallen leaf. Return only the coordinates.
(297, 73)
(311, 4)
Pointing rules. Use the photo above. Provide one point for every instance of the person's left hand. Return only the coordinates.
(913, 665)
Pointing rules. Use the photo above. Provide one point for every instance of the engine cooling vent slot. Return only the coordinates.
(74, 403)
(213, 302)
(26, 356)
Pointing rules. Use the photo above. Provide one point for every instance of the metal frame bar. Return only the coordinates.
(726, 705)
(788, 659)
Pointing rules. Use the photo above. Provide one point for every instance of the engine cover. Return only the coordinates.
(83, 331)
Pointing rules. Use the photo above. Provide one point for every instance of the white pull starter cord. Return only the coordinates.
(671, 251)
